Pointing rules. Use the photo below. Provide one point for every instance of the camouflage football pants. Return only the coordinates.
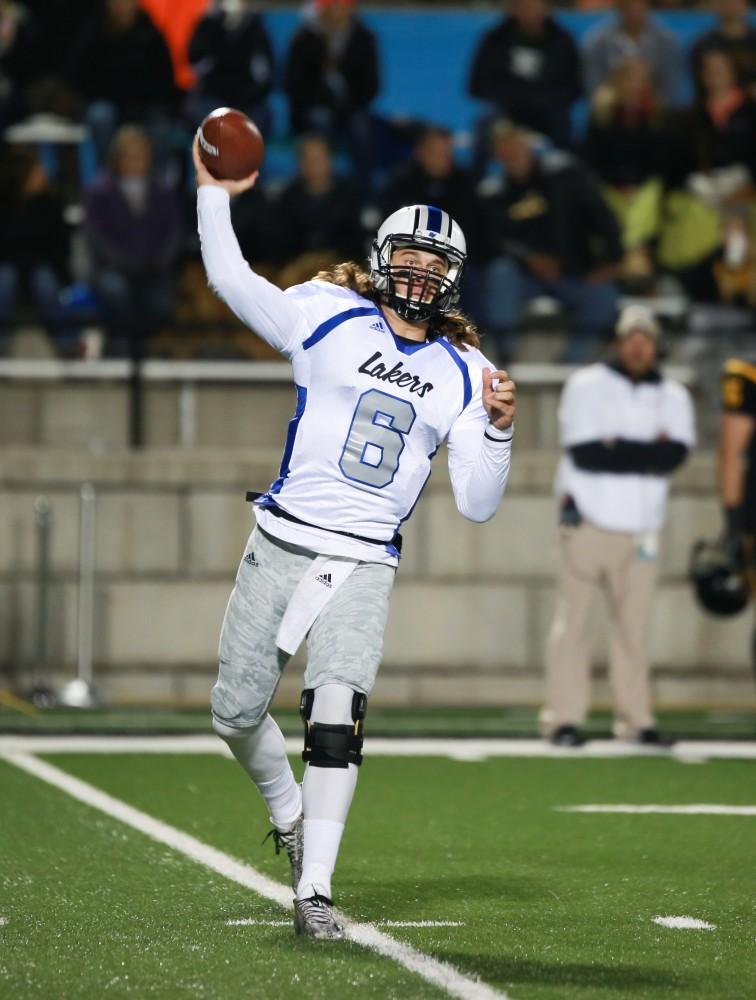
(344, 646)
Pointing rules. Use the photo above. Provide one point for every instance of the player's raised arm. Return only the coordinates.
(257, 302)
(480, 447)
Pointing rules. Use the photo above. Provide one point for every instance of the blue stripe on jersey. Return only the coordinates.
(411, 511)
(283, 472)
(467, 387)
(392, 549)
(409, 348)
(434, 219)
(400, 344)
(330, 324)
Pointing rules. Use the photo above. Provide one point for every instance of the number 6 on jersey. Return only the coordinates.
(376, 438)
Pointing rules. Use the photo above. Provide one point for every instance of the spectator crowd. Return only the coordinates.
(594, 169)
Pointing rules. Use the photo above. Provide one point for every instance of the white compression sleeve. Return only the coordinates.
(326, 796)
(478, 454)
(261, 305)
(479, 458)
(261, 751)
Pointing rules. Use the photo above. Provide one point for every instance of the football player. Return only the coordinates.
(736, 470)
(386, 370)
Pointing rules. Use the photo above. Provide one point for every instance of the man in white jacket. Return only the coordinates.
(624, 429)
(386, 370)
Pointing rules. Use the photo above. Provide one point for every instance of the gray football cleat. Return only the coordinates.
(292, 841)
(313, 917)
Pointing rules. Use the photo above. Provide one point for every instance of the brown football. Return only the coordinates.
(230, 143)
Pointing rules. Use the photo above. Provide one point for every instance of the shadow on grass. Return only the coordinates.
(508, 971)
(453, 898)
(624, 979)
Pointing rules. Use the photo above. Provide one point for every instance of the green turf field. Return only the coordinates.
(552, 905)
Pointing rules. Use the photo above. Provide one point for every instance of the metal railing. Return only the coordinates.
(191, 374)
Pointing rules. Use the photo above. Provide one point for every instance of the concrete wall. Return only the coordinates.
(95, 415)
(469, 612)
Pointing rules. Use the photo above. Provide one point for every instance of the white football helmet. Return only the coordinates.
(426, 228)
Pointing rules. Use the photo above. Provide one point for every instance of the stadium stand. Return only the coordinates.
(415, 46)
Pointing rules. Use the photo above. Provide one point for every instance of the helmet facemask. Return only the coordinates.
(417, 293)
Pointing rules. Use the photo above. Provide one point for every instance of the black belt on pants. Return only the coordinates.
(277, 511)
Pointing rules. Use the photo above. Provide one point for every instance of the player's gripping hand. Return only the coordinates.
(499, 401)
(205, 177)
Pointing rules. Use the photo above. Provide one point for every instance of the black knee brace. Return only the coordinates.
(327, 745)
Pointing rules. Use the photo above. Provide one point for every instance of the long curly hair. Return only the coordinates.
(458, 328)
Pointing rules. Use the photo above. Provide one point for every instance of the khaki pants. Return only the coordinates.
(617, 563)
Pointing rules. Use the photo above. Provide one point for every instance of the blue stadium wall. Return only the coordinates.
(426, 55)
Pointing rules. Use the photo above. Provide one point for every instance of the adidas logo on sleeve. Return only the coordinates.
(250, 560)
(325, 579)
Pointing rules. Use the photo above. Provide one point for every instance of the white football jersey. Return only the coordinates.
(372, 408)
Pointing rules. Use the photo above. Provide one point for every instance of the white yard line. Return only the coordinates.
(684, 923)
(456, 749)
(419, 923)
(695, 809)
(251, 922)
(438, 973)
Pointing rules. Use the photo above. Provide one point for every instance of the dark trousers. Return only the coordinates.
(509, 287)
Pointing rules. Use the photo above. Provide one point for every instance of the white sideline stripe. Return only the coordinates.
(432, 970)
(685, 923)
(695, 809)
(251, 922)
(419, 923)
(455, 749)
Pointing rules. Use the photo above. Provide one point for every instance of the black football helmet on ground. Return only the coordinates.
(721, 587)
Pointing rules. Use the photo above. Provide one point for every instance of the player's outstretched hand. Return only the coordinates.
(499, 402)
(205, 177)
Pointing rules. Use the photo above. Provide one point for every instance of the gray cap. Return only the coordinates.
(637, 318)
